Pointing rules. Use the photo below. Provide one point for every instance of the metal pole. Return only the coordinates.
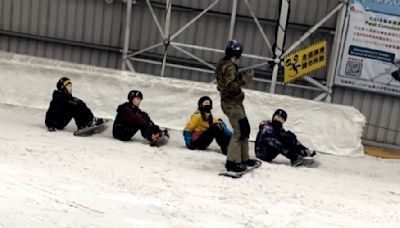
(280, 41)
(274, 78)
(289, 85)
(258, 24)
(335, 52)
(127, 33)
(173, 65)
(166, 35)
(254, 66)
(193, 56)
(129, 64)
(312, 29)
(218, 50)
(146, 49)
(320, 97)
(315, 83)
(233, 19)
(155, 18)
(194, 19)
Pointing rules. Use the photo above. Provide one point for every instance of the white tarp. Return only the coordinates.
(329, 128)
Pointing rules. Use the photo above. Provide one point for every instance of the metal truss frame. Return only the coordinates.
(168, 41)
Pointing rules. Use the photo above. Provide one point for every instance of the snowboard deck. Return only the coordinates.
(88, 131)
(163, 140)
(236, 175)
(306, 162)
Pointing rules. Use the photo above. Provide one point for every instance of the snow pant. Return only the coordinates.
(77, 110)
(292, 149)
(125, 133)
(208, 136)
(238, 149)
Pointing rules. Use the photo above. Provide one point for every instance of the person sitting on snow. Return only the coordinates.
(272, 139)
(202, 128)
(63, 107)
(130, 119)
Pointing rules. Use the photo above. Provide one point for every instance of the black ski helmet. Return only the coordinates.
(233, 48)
(281, 113)
(201, 100)
(62, 83)
(134, 93)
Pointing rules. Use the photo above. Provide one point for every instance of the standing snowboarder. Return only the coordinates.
(130, 119)
(273, 139)
(229, 83)
(63, 107)
(202, 128)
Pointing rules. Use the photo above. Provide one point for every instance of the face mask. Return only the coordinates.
(206, 108)
(276, 124)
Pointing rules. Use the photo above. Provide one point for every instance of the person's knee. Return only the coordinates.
(244, 128)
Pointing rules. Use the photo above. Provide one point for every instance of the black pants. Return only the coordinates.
(77, 110)
(292, 146)
(208, 136)
(125, 133)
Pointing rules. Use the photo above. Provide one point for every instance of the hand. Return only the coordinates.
(155, 136)
(248, 76)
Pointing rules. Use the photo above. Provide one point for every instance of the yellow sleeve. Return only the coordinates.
(193, 122)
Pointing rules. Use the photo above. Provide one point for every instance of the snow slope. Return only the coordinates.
(29, 81)
(58, 180)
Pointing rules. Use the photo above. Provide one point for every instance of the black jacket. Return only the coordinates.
(129, 120)
(63, 108)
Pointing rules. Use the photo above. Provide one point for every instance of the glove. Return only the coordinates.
(188, 139)
(51, 129)
(248, 76)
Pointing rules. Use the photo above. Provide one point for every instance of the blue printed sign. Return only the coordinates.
(370, 49)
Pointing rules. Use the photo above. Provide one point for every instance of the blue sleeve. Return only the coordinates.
(227, 132)
(188, 138)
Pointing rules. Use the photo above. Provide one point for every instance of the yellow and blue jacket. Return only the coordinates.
(197, 125)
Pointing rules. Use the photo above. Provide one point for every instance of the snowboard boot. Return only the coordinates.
(164, 133)
(98, 121)
(308, 153)
(235, 167)
(297, 161)
(252, 163)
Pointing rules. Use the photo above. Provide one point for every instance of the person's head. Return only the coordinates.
(279, 118)
(135, 97)
(205, 104)
(65, 85)
(233, 50)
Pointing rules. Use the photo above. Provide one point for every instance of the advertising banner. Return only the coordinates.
(370, 50)
(305, 61)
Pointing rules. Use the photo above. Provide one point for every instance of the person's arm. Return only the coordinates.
(135, 119)
(189, 128)
(58, 105)
(268, 139)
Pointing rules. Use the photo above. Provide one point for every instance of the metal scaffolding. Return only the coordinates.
(279, 54)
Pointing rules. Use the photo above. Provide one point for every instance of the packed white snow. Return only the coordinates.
(59, 180)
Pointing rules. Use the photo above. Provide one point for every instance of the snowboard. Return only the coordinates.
(88, 131)
(307, 162)
(163, 140)
(236, 175)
